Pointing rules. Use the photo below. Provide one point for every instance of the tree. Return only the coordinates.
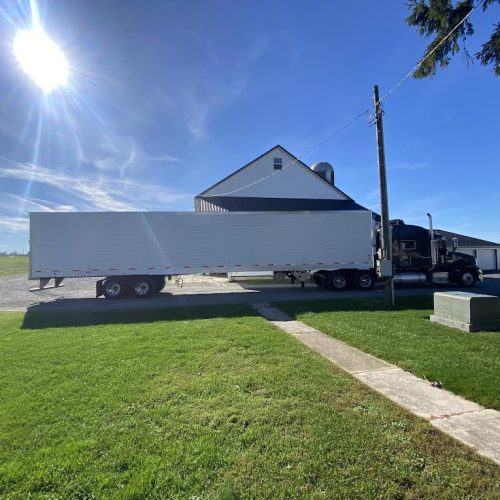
(440, 17)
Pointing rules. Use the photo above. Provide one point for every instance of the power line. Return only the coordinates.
(425, 57)
(365, 112)
(318, 145)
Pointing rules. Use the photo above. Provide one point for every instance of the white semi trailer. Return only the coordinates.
(133, 252)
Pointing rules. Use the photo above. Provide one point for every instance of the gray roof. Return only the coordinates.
(467, 241)
(251, 204)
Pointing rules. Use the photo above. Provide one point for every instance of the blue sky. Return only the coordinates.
(166, 98)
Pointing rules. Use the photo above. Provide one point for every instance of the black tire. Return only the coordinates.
(113, 288)
(320, 279)
(467, 279)
(364, 280)
(143, 287)
(337, 281)
(159, 282)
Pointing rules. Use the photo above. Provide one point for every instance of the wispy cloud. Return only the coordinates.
(414, 211)
(121, 157)
(13, 202)
(409, 166)
(14, 224)
(215, 88)
(371, 196)
(87, 193)
(112, 158)
(165, 158)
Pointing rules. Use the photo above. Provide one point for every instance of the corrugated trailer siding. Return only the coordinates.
(114, 243)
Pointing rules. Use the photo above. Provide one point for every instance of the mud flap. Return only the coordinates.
(99, 288)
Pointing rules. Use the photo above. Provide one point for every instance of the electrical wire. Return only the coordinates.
(426, 56)
(359, 115)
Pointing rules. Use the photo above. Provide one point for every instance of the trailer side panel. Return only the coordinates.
(171, 243)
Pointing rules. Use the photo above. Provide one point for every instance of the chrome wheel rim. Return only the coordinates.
(365, 281)
(141, 288)
(113, 289)
(339, 281)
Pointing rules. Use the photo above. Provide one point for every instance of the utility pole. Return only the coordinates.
(386, 268)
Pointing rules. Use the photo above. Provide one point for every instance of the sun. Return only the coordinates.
(41, 58)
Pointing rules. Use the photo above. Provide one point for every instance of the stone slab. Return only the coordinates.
(350, 359)
(466, 327)
(294, 327)
(467, 307)
(416, 394)
(480, 430)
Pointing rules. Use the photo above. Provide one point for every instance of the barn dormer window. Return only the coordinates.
(278, 163)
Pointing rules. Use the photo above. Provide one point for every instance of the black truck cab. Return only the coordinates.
(423, 256)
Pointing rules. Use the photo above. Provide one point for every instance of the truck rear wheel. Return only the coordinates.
(159, 282)
(337, 281)
(143, 287)
(364, 280)
(113, 288)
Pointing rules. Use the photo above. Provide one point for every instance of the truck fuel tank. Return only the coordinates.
(408, 278)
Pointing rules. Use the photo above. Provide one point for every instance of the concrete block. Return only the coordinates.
(416, 394)
(480, 429)
(470, 312)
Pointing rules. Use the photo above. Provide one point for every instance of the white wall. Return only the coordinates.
(487, 258)
(291, 182)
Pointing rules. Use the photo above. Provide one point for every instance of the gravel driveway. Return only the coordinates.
(79, 294)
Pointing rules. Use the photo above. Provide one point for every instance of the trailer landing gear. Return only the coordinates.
(43, 284)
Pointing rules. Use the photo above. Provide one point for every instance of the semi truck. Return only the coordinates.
(134, 253)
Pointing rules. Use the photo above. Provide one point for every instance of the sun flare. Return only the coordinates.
(41, 58)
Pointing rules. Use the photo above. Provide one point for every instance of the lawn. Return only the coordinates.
(10, 265)
(205, 403)
(466, 364)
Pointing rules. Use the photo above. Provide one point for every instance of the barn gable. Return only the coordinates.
(260, 179)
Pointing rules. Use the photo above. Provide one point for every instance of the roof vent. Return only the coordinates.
(324, 170)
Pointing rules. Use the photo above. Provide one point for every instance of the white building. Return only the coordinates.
(279, 181)
(276, 180)
(487, 253)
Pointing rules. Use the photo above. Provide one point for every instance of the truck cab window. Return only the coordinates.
(408, 244)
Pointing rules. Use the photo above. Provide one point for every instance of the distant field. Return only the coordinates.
(12, 265)
(205, 403)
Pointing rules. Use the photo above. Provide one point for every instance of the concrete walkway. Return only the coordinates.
(464, 420)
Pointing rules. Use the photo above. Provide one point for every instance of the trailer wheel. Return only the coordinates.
(143, 287)
(364, 280)
(337, 281)
(467, 279)
(113, 288)
(159, 282)
(320, 279)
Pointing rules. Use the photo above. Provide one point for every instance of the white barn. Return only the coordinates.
(276, 180)
(279, 181)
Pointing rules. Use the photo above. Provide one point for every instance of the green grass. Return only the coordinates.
(10, 265)
(205, 403)
(467, 364)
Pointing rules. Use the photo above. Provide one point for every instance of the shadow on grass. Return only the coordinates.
(91, 312)
(417, 302)
(36, 319)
